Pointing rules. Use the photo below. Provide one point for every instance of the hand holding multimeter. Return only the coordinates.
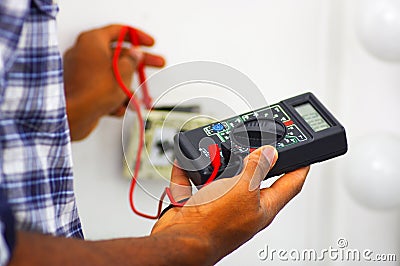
(301, 128)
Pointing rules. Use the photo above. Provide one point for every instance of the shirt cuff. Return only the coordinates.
(7, 231)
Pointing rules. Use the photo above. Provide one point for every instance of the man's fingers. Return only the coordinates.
(147, 58)
(129, 60)
(112, 33)
(284, 189)
(153, 60)
(257, 165)
(180, 185)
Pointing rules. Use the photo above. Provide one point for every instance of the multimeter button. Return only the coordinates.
(218, 127)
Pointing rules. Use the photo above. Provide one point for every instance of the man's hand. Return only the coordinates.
(215, 221)
(90, 87)
(228, 212)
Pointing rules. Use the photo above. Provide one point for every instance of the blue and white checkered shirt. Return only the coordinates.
(36, 181)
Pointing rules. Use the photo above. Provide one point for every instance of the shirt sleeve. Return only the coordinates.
(12, 15)
(7, 231)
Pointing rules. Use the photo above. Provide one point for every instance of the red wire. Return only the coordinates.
(215, 158)
(136, 105)
(117, 53)
(213, 149)
(147, 100)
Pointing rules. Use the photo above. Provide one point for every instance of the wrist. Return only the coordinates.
(192, 246)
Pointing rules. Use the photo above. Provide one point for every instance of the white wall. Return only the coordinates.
(286, 47)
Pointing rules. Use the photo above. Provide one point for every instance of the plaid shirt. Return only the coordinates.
(36, 181)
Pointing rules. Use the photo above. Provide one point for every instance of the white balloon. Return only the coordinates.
(372, 171)
(378, 28)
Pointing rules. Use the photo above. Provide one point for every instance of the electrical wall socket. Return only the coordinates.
(161, 125)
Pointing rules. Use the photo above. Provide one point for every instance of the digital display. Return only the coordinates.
(312, 117)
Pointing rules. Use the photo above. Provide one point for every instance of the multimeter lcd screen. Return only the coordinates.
(312, 117)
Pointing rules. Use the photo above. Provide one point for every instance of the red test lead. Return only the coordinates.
(213, 149)
(136, 106)
(147, 100)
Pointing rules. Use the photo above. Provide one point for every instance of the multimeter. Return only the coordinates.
(301, 128)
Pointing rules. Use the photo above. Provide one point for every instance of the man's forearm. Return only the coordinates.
(159, 249)
(83, 115)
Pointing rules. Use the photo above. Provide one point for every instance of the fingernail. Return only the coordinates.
(269, 153)
(136, 53)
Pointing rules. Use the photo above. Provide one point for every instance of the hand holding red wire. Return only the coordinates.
(214, 150)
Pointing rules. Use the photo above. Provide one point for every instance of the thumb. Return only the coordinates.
(257, 165)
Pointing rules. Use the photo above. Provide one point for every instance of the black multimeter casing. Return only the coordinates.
(305, 133)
